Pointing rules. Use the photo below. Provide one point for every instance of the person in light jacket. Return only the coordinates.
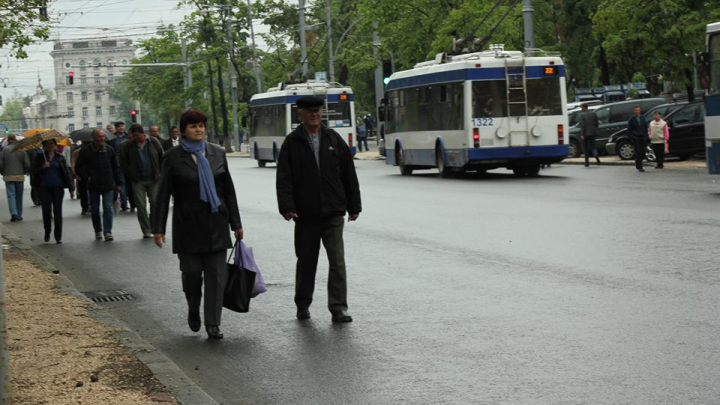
(205, 210)
(659, 138)
(13, 167)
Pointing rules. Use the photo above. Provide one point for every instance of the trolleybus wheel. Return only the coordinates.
(404, 170)
(527, 171)
(574, 149)
(626, 150)
(444, 171)
(261, 163)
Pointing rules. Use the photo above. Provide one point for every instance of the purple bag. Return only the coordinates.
(244, 258)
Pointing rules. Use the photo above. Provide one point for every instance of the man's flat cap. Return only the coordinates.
(119, 123)
(310, 102)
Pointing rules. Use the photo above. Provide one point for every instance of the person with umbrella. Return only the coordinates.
(13, 167)
(53, 178)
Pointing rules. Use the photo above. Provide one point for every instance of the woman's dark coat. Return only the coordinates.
(37, 169)
(313, 192)
(195, 229)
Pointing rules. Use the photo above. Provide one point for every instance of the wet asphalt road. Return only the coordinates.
(582, 286)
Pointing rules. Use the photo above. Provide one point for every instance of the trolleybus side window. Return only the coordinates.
(714, 48)
(489, 98)
(425, 109)
(544, 97)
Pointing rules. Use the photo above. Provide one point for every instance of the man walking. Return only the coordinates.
(173, 140)
(121, 136)
(82, 189)
(140, 160)
(98, 167)
(13, 166)
(316, 185)
(588, 133)
(638, 128)
(154, 132)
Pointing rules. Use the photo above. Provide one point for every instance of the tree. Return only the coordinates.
(23, 23)
(12, 114)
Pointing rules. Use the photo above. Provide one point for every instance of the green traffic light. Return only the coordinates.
(386, 80)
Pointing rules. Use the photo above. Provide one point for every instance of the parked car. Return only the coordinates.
(611, 118)
(686, 124)
(576, 104)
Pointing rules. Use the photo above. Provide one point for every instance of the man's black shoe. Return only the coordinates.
(641, 169)
(19, 218)
(303, 313)
(14, 218)
(213, 332)
(341, 316)
(194, 321)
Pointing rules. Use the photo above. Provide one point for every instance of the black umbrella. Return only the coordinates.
(85, 134)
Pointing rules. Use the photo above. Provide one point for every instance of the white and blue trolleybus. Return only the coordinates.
(711, 83)
(273, 115)
(477, 111)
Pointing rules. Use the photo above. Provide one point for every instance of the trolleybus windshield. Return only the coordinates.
(714, 50)
(490, 99)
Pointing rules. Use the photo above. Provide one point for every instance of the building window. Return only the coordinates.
(86, 125)
(97, 79)
(124, 62)
(83, 96)
(82, 65)
(112, 110)
(96, 65)
(98, 95)
(98, 110)
(83, 79)
(71, 112)
(98, 124)
(84, 112)
(69, 96)
(71, 127)
(111, 78)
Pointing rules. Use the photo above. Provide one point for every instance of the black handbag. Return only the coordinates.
(239, 287)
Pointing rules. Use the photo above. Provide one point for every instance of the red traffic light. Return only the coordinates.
(71, 74)
(133, 112)
(71, 77)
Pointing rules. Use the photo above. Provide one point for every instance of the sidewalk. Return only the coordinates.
(65, 349)
(671, 162)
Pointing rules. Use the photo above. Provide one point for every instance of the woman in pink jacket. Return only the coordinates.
(659, 137)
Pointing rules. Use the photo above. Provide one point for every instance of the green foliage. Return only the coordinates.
(12, 115)
(21, 25)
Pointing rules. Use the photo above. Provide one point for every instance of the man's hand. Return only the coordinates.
(239, 233)
(117, 188)
(290, 215)
(353, 217)
(46, 165)
(159, 239)
(582, 137)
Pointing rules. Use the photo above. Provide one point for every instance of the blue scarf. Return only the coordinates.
(207, 182)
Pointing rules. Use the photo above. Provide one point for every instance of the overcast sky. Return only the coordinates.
(82, 19)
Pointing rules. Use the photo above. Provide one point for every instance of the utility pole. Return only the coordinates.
(258, 79)
(5, 394)
(528, 25)
(233, 82)
(303, 51)
(379, 86)
(186, 79)
(331, 61)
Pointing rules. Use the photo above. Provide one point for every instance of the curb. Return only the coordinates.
(602, 162)
(163, 369)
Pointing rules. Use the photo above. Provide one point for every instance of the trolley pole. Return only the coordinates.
(331, 61)
(5, 393)
(528, 25)
(303, 51)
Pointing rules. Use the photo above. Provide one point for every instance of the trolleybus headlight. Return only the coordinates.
(537, 131)
(501, 133)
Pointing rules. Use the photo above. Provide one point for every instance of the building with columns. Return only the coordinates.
(96, 64)
(42, 111)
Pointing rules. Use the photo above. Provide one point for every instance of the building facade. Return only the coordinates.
(96, 65)
(42, 111)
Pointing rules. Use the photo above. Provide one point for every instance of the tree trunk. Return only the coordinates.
(604, 68)
(689, 86)
(223, 108)
(212, 99)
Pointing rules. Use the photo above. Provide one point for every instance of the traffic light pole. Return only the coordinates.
(233, 84)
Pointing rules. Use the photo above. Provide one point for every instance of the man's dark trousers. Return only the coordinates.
(589, 147)
(84, 196)
(640, 149)
(308, 234)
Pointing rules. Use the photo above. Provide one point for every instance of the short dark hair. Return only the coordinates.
(136, 128)
(119, 123)
(173, 127)
(191, 116)
(636, 106)
(583, 105)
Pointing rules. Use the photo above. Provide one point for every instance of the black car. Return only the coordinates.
(611, 118)
(686, 124)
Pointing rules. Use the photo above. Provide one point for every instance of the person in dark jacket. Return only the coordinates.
(140, 160)
(98, 167)
(638, 129)
(125, 194)
(588, 133)
(54, 177)
(316, 185)
(173, 140)
(205, 209)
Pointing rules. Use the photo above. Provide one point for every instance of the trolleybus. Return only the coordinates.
(273, 115)
(711, 83)
(477, 111)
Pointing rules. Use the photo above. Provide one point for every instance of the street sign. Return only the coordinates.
(321, 77)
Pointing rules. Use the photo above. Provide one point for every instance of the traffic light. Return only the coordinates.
(71, 77)
(133, 114)
(387, 71)
(0, 100)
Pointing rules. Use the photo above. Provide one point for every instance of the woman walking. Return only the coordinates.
(659, 137)
(205, 209)
(53, 177)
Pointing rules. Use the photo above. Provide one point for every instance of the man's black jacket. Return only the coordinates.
(638, 129)
(302, 188)
(98, 168)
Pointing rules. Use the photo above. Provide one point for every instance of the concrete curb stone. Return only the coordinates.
(166, 372)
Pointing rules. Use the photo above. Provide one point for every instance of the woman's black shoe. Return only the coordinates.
(213, 332)
(47, 237)
(194, 321)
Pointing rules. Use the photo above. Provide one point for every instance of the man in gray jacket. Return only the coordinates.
(13, 167)
(588, 132)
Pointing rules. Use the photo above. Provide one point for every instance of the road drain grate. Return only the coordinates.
(101, 297)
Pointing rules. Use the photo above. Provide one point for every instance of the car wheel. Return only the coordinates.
(626, 150)
(574, 149)
(404, 170)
